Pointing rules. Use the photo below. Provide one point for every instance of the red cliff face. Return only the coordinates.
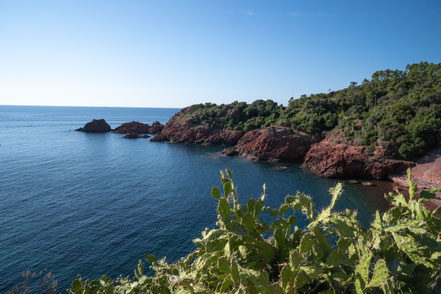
(274, 144)
(180, 130)
(343, 161)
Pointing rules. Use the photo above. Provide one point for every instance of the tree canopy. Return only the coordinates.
(400, 107)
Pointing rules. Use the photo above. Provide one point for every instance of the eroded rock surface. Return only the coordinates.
(179, 129)
(344, 161)
(426, 173)
(274, 144)
(132, 127)
(135, 136)
(135, 127)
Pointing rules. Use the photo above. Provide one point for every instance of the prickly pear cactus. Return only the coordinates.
(399, 253)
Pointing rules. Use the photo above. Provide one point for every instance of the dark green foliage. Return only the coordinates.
(399, 253)
(236, 116)
(402, 108)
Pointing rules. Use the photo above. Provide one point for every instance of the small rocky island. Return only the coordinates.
(95, 126)
(132, 130)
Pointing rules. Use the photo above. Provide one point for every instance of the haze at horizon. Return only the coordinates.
(176, 53)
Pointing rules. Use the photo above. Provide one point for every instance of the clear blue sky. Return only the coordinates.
(177, 53)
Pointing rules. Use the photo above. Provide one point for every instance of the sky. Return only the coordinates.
(176, 53)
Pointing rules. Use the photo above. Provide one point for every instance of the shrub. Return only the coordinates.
(399, 252)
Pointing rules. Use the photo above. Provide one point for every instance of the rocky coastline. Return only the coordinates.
(321, 155)
(324, 156)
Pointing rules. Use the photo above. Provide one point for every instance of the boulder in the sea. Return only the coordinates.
(343, 161)
(353, 181)
(135, 136)
(275, 144)
(95, 126)
(229, 152)
(133, 127)
(366, 183)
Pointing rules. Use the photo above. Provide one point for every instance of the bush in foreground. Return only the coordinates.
(399, 253)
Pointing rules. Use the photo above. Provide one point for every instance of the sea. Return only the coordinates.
(92, 204)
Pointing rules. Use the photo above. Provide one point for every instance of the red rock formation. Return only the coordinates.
(133, 127)
(179, 129)
(229, 152)
(274, 144)
(135, 136)
(328, 158)
(95, 126)
(156, 128)
(426, 173)
(343, 161)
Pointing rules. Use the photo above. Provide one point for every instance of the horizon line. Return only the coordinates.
(95, 106)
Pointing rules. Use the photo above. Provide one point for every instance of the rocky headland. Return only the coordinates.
(368, 131)
(319, 155)
(180, 129)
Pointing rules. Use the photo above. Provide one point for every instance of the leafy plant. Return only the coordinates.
(399, 253)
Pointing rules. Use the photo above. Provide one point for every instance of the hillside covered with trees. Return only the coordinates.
(399, 107)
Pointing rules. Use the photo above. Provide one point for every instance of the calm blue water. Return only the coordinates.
(74, 202)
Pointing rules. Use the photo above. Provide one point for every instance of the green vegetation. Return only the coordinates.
(399, 253)
(400, 108)
(237, 115)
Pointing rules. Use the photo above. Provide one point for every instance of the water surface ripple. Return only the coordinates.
(74, 202)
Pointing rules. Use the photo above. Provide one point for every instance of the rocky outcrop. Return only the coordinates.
(198, 135)
(332, 157)
(95, 126)
(156, 128)
(229, 152)
(274, 144)
(426, 174)
(135, 136)
(343, 161)
(179, 129)
(133, 127)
